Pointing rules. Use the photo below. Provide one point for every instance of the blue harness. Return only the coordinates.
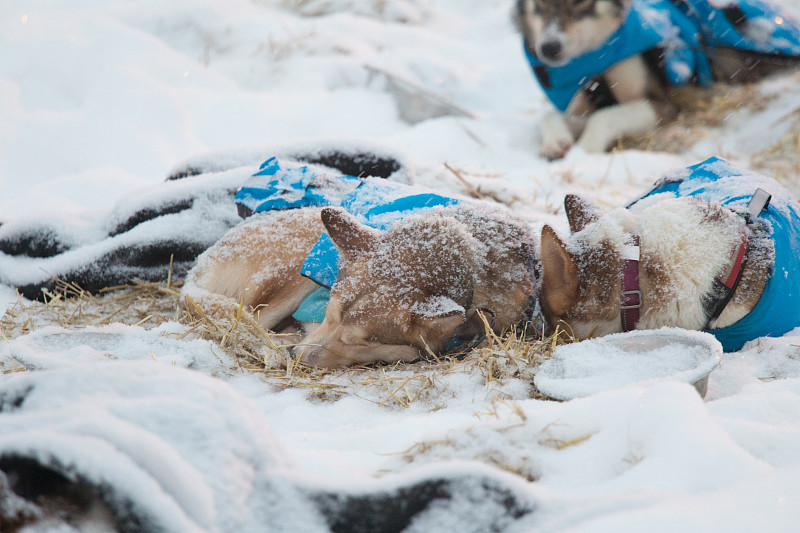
(778, 310)
(375, 202)
(682, 31)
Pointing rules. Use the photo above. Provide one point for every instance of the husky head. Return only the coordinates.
(400, 293)
(685, 243)
(581, 276)
(559, 30)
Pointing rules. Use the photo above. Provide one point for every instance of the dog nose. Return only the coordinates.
(551, 49)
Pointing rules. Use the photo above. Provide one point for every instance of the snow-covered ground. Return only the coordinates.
(99, 100)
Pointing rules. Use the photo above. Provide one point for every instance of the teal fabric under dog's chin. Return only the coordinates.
(313, 308)
(778, 309)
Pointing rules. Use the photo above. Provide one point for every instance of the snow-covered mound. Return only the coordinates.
(166, 449)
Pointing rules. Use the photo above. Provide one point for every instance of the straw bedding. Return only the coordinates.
(503, 365)
(704, 113)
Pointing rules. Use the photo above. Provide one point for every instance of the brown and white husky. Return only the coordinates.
(632, 96)
(684, 243)
(416, 287)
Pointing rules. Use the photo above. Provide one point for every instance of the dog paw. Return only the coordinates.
(596, 139)
(556, 137)
(556, 149)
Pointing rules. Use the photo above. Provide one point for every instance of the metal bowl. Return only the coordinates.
(587, 367)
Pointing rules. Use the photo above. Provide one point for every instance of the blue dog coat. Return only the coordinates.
(375, 202)
(778, 310)
(763, 28)
(683, 31)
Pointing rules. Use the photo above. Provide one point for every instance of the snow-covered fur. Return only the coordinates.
(685, 242)
(256, 264)
(408, 290)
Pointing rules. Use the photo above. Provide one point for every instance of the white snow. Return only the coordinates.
(592, 366)
(99, 101)
(438, 306)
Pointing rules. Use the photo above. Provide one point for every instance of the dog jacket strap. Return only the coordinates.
(631, 301)
(542, 74)
(598, 92)
(724, 285)
(758, 202)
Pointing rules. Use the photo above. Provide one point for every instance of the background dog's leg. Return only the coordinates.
(557, 138)
(611, 123)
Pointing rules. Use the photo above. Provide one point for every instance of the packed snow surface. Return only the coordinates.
(582, 369)
(100, 101)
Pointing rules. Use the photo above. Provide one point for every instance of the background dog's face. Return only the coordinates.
(399, 292)
(559, 30)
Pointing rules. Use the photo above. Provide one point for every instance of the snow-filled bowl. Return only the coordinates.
(584, 368)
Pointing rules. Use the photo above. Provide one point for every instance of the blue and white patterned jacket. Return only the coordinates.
(778, 310)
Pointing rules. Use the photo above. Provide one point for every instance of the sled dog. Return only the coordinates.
(683, 245)
(712, 247)
(608, 99)
(674, 261)
(415, 288)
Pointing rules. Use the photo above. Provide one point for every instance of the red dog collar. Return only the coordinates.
(631, 295)
(724, 284)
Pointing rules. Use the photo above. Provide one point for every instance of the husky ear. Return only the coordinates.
(347, 233)
(580, 212)
(559, 274)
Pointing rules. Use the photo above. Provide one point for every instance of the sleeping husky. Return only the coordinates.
(609, 66)
(701, 252)
(417, 287)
